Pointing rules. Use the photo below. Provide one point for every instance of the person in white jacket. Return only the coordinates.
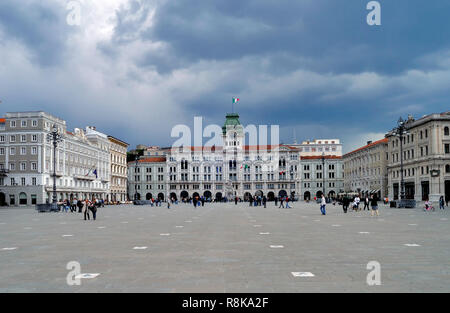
(322, 205)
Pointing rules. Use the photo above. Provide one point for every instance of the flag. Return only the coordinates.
(235, 100)
(95, 172)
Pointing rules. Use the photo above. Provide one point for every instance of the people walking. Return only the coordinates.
(264, 200)
(93, 208)
(86, 209)
(276, 201)
(366, 203)
(374, 205)
(287, 203)
(345, 204)
(281, 203)
(80, 206)
(322, 205)
(73, 208)
(441, 203)
(357, 201)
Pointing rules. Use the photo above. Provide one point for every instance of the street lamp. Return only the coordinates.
(135, 171)
(400, 131)
(54, 137)
(323, 173)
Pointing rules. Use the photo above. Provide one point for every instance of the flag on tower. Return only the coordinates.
(235, 100)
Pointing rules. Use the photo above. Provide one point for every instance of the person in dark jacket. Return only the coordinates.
(264, 200)
(345, 204)
(374, 205)
(80, 205)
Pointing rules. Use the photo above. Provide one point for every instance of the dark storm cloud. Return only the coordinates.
(330, 36)
(312, 65)
(40, 26)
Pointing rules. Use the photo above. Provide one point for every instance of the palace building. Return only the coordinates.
(235, 169)
(83, 161)
(426, 159)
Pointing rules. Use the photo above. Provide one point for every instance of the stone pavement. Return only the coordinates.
(225, 248)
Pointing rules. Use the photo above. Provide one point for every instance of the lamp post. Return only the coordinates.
(323, 173)
(54, 137)
(136, 171)
(400, 131)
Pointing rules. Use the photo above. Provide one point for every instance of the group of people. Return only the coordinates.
(370, 203)
(83, 206)
(442, 204)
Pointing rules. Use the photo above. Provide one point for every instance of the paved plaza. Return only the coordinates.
(225, 248)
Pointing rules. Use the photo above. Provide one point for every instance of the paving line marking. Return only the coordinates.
(276, 246)
(87, 276)
(164, 234)
(179, 226)
(412, 245)
(364, 232)
(139, 248)
(67, 235)
(303, 274)
(264, 233)
(9, 249)
(101, 227)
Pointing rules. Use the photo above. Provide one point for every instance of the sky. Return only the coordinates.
(136, 68)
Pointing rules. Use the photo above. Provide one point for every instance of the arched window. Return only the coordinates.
(446, 131)
(447, 168)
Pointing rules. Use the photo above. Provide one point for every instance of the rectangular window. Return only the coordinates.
(23, 150)
(34, 123)
(12, 124)
(23, 138)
